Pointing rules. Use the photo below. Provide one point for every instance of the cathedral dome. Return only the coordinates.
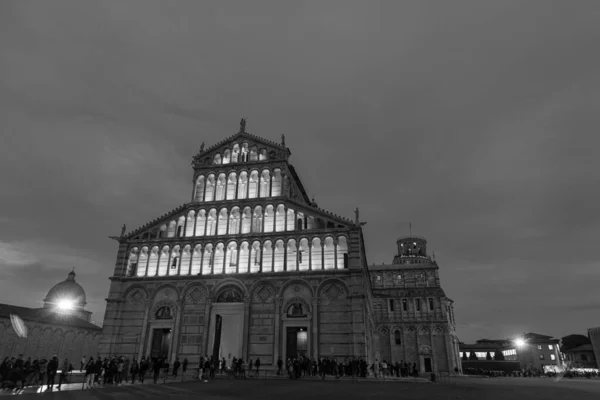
(66, 290)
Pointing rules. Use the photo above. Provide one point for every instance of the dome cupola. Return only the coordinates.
(67, 294)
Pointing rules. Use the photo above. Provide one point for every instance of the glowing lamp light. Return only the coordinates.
(520, 342)
(66, 304)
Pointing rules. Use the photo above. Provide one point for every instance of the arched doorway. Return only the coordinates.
(229, 306)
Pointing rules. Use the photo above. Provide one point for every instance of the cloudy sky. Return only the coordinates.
(477, 121)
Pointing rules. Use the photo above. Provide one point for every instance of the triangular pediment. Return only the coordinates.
(232, 149)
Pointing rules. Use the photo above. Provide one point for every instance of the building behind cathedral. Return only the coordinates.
(286, 276)
(51, 330)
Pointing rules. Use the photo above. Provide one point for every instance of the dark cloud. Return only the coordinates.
(473, 120)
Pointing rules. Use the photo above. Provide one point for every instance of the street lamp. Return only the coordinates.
(519, 342)
(66, 304)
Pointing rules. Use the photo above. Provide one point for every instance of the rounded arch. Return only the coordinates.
(228, 282)
(257, 288)
(172, 305)
(296, 280)
(163, 286)
(132, 289)
(299, 299)
(329, 281)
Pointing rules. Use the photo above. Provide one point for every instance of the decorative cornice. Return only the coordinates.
(154, 221)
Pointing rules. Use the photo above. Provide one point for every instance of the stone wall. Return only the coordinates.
(44, 341)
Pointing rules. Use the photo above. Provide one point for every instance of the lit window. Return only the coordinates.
(541, 356)
(539, 346)
(552, 357)
(511, 352)
(480, 354)
(550, 347)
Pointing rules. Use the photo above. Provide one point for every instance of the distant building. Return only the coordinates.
(61, 327)
(581, 357)
(539, 352)
(594, 336)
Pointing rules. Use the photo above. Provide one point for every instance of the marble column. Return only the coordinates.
(246, 338)
(206, 333)
(144, 332)
(177, 329)
(315, 327)
(276, 340)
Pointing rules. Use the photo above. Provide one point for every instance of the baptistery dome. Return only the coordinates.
(66, 290)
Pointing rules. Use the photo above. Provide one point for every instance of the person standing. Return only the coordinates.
(279, 365)
(90, 372)
(51, 371)
(176, 366)
(257, 366)
(63, 372)
(185, 364)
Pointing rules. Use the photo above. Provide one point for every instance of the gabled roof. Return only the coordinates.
(154, 221)
(238, 136)
(45, 316)
(532, 335)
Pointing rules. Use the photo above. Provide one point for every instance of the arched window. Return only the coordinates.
(278, 254)
(174, 261)
(162, 232)
(132, 262)
(303, 255)
(189, 225)
(163, 261)
(234, 221)
(231, 258)
(171, 229)
(217, 159)
(253, 189)
(199, 195)
(200, 223)
(142, 262)
(255, 257)
(244, 256)
(280, 218)
(257, 220)
(235, 153)
(221, 182)
(231, 186)
(397, 337)
(196, 260)
(244, 152)
(207, 259)
(292, 256)
(291, 219)
(310, 222)
(211, 223)
(186, 258)
(267, 257)
(276, 189)
(265, 183)
(316, 254)
(210, 188)
(253, 153)
(222, 225)
(342, 253)
(180, 226)
(227, 156)
(246, 220)
(262, 155)
(242, 185)
(164, 313)
(219, 259)
(269, 218)
(153, 261)
(329, 253)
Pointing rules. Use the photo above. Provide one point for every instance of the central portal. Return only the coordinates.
(160, 342)
(232, 329)
(296, 342)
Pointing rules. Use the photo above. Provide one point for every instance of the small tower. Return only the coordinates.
(411, 246)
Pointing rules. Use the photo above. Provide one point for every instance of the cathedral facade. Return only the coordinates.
(284, 276)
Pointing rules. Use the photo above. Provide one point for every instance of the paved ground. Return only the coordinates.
(456, 389)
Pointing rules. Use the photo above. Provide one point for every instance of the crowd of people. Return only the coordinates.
(530, 373)
(19, 373)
